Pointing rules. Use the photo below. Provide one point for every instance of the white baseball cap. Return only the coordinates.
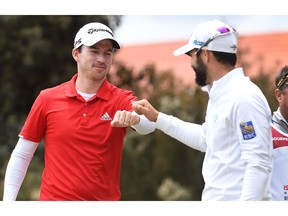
(214, 35)
(92, 33)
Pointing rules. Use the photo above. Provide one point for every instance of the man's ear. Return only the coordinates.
(205, 55)
(75, 53)
(278, 95)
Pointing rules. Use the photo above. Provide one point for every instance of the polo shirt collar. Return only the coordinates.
(103, 92)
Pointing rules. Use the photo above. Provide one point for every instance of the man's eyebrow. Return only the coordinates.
(93, 47)
(97, 48)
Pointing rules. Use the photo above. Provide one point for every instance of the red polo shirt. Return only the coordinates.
(83, 152)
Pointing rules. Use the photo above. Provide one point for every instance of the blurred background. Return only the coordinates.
(36, 54)
(143, 29)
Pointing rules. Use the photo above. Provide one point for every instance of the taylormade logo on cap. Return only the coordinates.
(92, 30)
(214, 36)
(92, 33)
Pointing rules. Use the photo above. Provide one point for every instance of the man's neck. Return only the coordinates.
(88, 86)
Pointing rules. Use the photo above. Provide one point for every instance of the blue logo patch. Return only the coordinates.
(247, 130)
(198, 43)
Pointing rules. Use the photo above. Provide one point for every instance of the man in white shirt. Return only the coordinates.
(236, 135)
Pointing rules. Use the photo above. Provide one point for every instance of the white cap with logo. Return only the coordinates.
(92, 33)
(214, 35)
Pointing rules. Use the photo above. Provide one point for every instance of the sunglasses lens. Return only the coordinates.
(223, 30)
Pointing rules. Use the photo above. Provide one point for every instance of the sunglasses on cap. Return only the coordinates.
(220, 31)
(282, 81)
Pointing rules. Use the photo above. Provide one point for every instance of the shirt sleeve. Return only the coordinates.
(253, 123)
(34, 126)
(188, 133)
(17, 168)
(144, 126)
(125, 100)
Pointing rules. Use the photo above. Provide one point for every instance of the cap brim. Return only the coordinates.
(115, 44)
(183, 50)
(95, 40)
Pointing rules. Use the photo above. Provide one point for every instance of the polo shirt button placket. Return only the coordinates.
(84, 120)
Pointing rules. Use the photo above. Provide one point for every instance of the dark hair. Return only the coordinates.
(281, 78)
(80, 48)
(225, 58)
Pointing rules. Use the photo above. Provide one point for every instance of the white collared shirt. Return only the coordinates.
(236, 137)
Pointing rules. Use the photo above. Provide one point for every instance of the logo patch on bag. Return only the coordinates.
(247, 130)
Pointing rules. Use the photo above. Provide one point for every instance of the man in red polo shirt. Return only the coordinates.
(83, 152)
